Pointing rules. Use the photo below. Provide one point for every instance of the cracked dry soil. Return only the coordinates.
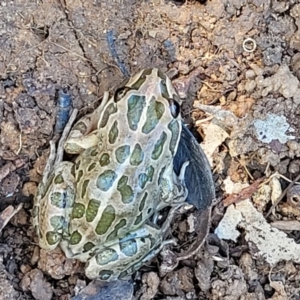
(87, 47)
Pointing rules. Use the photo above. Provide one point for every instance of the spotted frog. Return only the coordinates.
(102, 208)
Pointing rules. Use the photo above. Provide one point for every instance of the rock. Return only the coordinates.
(113, 290)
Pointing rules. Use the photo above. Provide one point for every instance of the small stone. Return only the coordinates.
(294, 167)
(29, 188)
(80, 285)
(25, 268)
(113, 290)
(151, 282)
(35, 282)
(56, 264)
(250, 86)
(21, 218)
(35, 255)
(250, 74)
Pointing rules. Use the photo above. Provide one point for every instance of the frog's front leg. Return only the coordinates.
(84, 132)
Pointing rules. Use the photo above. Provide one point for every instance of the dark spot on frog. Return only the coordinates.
(73, 170)
(125, 190)
(75, 238)
(104, 159)
(92, 210)
(106, 179)
(113, 133)
(122, 153)
(78, 211)
(142, 203)
(110, 109)
(88, 246)
(91, 167)
(129, 248)
(58, 179)
(79, 175)
(105, 274)
(107, 218)
(137, 155)
(94, 152)
(160, 176)
(138, 219)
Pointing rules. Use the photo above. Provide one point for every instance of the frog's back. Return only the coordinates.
(118, 180)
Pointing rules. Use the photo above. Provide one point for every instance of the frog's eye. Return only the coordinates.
(120, 92)
(174, 107)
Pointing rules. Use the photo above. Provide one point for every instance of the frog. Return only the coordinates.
(103, 208)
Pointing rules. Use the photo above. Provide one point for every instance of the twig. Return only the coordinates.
(246, 169)
(114, 54)
(70, 51)
(210, 87)
(20, 143)
(7, 214)
(245, 193)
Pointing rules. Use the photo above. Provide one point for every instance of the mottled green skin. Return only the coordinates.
(96, 208)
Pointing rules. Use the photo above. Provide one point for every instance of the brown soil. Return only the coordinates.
(88, 47)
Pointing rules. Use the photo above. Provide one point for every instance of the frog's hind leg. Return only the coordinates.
(122, 257)
(55, 206)
(55, 195)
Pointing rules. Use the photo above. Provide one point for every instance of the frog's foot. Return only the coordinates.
(176, 196)
(153, 253)
(63, 138)
(170, 216)
(173, 192)
(166, 225)
(181, 191)
(56, 155)
(50, 163)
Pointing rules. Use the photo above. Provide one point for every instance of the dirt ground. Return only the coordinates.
(236, 63)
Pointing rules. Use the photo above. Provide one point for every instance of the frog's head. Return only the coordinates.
(150, 98)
